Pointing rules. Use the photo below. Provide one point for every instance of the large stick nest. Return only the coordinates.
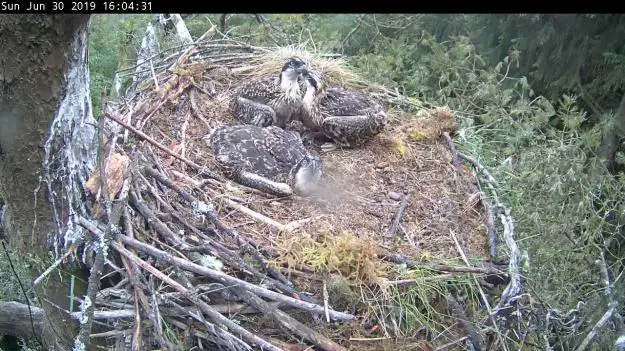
(399, 198)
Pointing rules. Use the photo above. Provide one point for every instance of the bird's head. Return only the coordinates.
(315, 85)
(306, 175)
(293, 68)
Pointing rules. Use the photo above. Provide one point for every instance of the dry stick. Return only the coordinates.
(229, 203)
(156, 223)
(245, 245)
(56, 263)
(208, 337)
(162, 148)
(183, 139)
(468, 269)
(595, 329)
(220, 333)
(196, 110)
(88, 306)
(410, 241)
(134, 276)
(490, 221)
(612, 312)
(514, 287)
(481, 168)
(152, 112)
(450, 344)
(464, 321)
(255, 215)
(419, 280)
(214, 315)
(228, 280)
(185, 54)
(111, 333)
(233, 259)
(398, 215)
(481, 291)
(400, 259)
(288, 322)
(127, 313)
(137, 340)
(157, 315)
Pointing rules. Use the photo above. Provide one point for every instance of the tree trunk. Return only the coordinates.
(611, 138)
(47, 138)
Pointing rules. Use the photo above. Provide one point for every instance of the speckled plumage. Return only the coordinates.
(267, 159)
(348, 118)
(270, 100)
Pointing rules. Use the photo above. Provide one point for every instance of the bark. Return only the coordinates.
(611, 138)
(149, 48)
(15, 320)
(47, 138)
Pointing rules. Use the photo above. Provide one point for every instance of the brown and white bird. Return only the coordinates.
(270, 100)
(347, 118)
(269, 159)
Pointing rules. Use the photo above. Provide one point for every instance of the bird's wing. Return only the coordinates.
(261, 90)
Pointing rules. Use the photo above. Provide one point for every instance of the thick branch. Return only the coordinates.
(15, 320)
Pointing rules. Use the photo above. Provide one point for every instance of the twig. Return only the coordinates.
(288, 322)
(195, 110)
(132, 271)
(452, 148)
(490, 220)
(326, 298)
(450, 344)
(481, 291)
(461, 317)
(88, 306)
(418, 280)
(351, 32)
(255, 215)
(514, 287)
(603, 265)
(211, 338)
(400, 259)
(156, 223)
(612, 312)
(595, 329)
(392, 229)
(183, 137)
(53, 266)
(408, 237)
(214, 315)
(154, 75)
(161, 147)
(245, 245)
(223, 337)
(481, 168)
(111, 333)
(229, 281)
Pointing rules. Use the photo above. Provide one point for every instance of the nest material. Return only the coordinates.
(177, 108)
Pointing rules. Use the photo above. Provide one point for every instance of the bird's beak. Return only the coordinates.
(303, 70)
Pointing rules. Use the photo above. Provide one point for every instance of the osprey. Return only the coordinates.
(270, 100)
(347, 118)
(269, 159)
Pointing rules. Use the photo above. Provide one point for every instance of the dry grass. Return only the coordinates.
(351, 216)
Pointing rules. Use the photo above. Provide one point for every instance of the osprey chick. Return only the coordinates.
(269, 159)
(270, 100)
(347, 118)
